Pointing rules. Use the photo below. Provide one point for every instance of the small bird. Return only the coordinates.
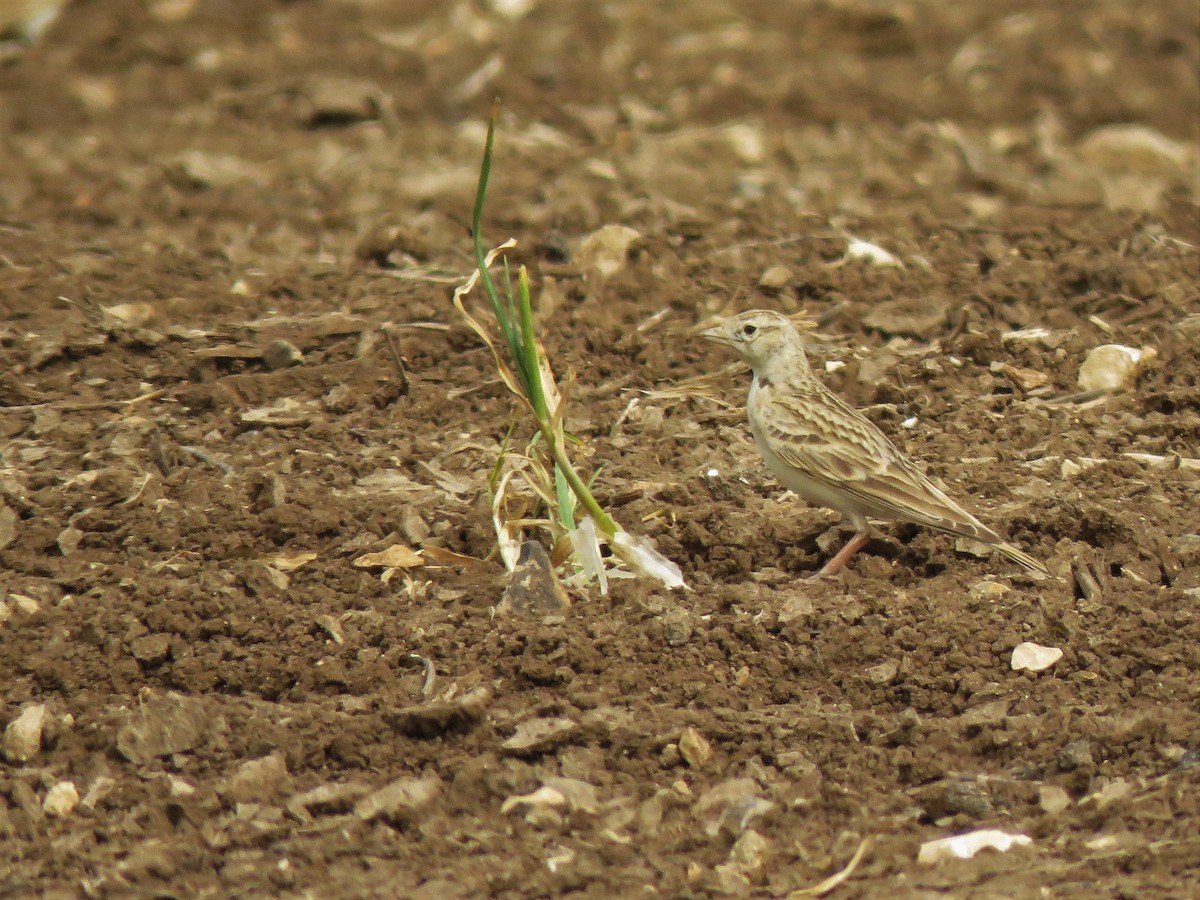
(828, 452)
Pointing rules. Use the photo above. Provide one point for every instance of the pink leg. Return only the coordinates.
(842, 557)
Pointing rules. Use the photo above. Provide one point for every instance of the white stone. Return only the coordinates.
(23, 736)
(1111, 367)
(1034, 657)
(61, 800)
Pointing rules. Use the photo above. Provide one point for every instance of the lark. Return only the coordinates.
(826, 451)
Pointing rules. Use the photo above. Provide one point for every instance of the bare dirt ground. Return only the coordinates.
(236, 705)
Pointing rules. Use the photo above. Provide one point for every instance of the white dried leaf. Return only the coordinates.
(543, 797)
(872, 253)
(639, 554)
(508, 534)
(396, 556)
(586, 544)
(133, 315)
(965, 846)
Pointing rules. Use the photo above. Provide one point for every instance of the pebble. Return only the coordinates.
(1053, 799)
(8, 525)
(257, 780)
(1075, 755)
(69, 540)
(1034, 657)
(399, 801)
(151, 649)
(1111, 367)
(775, 278)
(61, 800)
(988, 590)
(694, 749)
(539, 735)
(23, 736)
(281, 354)
(605, 251)
(161, 727)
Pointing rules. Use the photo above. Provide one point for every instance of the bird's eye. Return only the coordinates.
(748, 330)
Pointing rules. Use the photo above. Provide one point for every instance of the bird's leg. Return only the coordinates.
(842, 557)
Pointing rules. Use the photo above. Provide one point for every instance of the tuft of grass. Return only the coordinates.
(522, 364)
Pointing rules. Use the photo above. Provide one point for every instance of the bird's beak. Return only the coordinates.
(715, 334)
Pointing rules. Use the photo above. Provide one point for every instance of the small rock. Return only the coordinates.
(281, 354)
(971, 547)
(749, 852)
(440, 716)
(991, 713)
(286, 412)
(1111, 367)
(1025, 379)
(533, 586)
(26, 605)
(1036, 334)
(1053, 799)
(605, 252)
(1113, 791)
(257, 780)
(161, 727)
(794, 607)
(1034, 657)
(988, 590)
(130, 315)
(23, 736)
(69, 540)
(541, 808)
(1075, 755)
(1186, 547)
(342, 101)
(775, 278)
(731, 806)
(340, 400)
(952, 798)
(99, 789)
(883, 673)
(179, 788)
(400, 801)
(694, 749)
(540, 735)
(677, 627)
(920, 317)
(151, 649)
(397, 556)
(580, 796)
(326, 798)
(8, 525)
(61, 800)
(332, 627)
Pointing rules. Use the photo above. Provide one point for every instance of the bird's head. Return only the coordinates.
(760, 337)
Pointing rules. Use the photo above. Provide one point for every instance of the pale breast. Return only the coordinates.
(813, 491)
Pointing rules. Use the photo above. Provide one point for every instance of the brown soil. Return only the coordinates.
(227, 175)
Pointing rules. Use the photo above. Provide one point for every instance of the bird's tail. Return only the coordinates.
(1020, 556)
